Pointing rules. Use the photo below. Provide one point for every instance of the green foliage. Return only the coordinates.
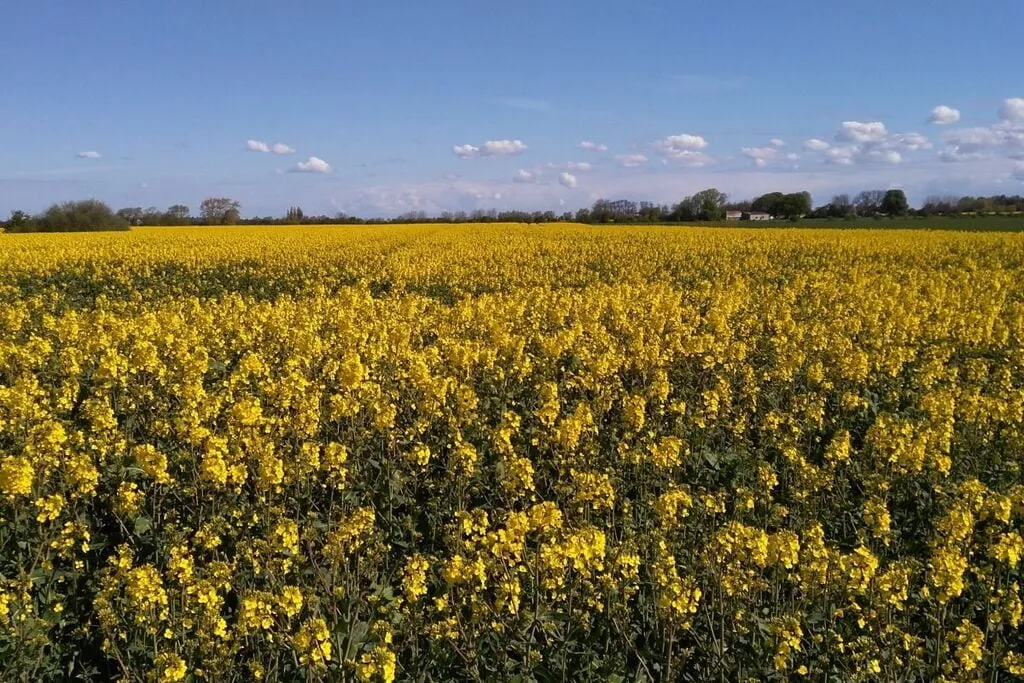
(88, 215)
(895, 203)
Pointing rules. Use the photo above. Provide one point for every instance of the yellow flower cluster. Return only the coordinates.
(506, 452)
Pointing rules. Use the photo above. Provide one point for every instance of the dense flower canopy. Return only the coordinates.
(492, 452)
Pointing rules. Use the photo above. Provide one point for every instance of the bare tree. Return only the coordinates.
(220, 211)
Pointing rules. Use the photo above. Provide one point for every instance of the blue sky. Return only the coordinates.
(386, 106)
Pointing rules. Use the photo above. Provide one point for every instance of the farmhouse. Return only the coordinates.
(733, 215)
(757, 216)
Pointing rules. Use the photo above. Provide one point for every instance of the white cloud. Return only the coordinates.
(592, 146)
(679, 146)
(491, 148)
(313, 165)
(256, 146)
(760, 155)
(281, 148)
(953, 155)
(911, 142)
(974, 143)
(504, 148)
(943, 115)
(793, 156)
(568, 180)
(466, 151)
(861, 132)
(1018, 171)
(816, 145)
(683, 148)
(778, 142)
(1013, 110)
(884, 156)
(524, 176)
(579, 166)
(841, 156)
(1005, 138)
(89, 154)
(631, 160)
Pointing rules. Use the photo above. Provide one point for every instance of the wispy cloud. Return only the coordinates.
(281, 148)
(592, 146)
(631, 160)
(89, 154)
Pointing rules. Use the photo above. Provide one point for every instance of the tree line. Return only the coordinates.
(710, 205)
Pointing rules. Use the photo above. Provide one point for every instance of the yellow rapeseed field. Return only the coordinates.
(503, 452)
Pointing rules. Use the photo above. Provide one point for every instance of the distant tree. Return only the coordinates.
(19, 222)
(895, 203)
(841, 206)
(745, 206)
(584, 216)
(294, 215)
(650, 212)
(709, 204)
(601, 212)
(869, 202)
(154, 216)
(793, 205)
(220, 211)
(131, 214)
(86, 215)
(178, 214)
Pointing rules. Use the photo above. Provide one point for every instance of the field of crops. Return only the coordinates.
(511, 453)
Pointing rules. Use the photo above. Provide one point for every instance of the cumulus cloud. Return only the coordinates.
(592, 146)
(911, 142)
(953, 155)
(256, 146)
(841, 156)
(884, 156)
(979, 142)
(684, 148)
(760, 155)
(466, 151)
(281, 148)
(778, 142)
(567, 179)
(868, 143)
(1013, 110)
(679, 146)
(504, 148)
(312, 165)
(491, 148)
(524, 176)
(861, 132)
(631, 160)
(943, 115)
(1004, 138)
(89, 154)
